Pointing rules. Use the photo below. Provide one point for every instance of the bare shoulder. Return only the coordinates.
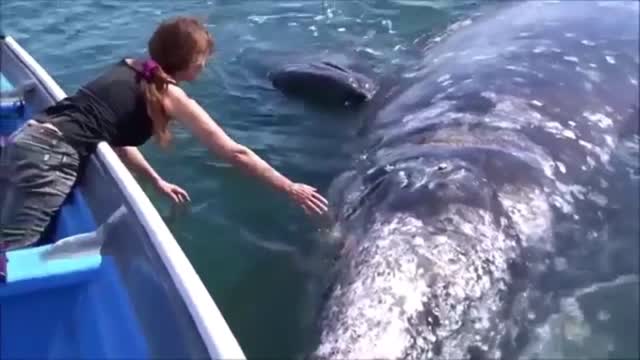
(175, 99)
(176, 92)
(180, 106)
(187, 111)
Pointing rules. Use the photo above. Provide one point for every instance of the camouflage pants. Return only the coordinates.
(37, 172)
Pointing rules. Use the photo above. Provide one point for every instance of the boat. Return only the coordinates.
(128, 293)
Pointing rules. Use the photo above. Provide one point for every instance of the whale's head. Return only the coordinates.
(324, 83)
(427, 253)
(424, 182)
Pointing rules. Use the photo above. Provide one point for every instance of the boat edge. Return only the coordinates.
(213, 328)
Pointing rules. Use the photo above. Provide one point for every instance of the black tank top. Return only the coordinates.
(110, 108)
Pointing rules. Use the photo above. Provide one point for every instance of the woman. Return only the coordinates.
(125, 106)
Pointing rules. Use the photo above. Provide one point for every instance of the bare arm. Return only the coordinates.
(133, 159)
(185, 109)
(210, 134)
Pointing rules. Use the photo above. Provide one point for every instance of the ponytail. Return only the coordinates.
(154, 83)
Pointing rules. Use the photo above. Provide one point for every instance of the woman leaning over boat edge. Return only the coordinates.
(124, 106)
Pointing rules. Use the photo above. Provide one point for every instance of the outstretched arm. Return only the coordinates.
(181, 107)
(133, 159)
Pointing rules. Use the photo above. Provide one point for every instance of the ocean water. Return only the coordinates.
(255, 251)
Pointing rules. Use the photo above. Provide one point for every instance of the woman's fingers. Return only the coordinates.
(316, 201)
(320, 198)
(176, 196)
(173, 196)
(180, 194)
(185, 195)
(318, 204)
(309, 199)
(313, 206)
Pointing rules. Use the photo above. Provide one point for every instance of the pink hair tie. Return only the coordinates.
(149, 67)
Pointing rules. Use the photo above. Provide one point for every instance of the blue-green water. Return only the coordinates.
(252, 248)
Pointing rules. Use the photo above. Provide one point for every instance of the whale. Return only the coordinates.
(483, 181)
(328, 79)
(324, 83)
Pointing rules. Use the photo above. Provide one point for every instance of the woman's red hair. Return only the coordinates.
(174, 46)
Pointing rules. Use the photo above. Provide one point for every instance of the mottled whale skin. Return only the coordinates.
(475, 164)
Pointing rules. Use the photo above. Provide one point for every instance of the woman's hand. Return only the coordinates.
(174, 192)
(308, 198)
